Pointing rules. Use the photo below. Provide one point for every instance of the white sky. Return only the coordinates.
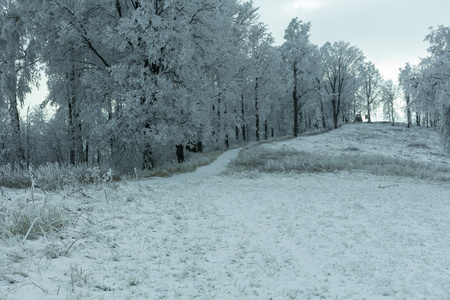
(389, 32)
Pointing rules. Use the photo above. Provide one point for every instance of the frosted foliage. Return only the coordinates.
(342, 63)
(428, 84)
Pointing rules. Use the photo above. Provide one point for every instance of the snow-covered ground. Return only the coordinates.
(223, 235)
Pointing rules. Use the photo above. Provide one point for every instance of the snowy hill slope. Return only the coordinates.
(378, 138)
(220, 234)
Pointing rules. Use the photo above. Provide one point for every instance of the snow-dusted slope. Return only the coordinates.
(215, 235)
(412, 143)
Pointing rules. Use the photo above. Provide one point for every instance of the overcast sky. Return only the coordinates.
(389, 32)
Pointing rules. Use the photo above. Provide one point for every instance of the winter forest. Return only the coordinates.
(133, 83)
(182, 154)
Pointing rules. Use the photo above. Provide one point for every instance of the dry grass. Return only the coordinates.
(30, 220)
(267, 160)
(193, 161)
(52, 176)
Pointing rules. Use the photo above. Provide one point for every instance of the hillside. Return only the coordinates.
(254, 230)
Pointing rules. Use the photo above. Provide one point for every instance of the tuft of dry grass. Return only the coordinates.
(30, 220)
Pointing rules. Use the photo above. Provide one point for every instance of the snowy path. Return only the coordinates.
(213, 169)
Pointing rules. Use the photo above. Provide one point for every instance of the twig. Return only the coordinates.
(29, 230)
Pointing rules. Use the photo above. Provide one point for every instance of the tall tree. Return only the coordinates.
(341, 67)
(18, 67)
(262, 63)
(389, 95)
(301, 58)
(435, 78)
(371, 83)
(405, 79)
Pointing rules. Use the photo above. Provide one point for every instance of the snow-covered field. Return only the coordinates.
(248, 235)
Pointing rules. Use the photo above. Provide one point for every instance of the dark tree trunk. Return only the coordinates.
(322, 112)
(180, 153)
(76, 154)
(266, 130)
(243, 119)
(19, 154)
(147, 157)
(295, 99)
(256, 110)
(335, 114)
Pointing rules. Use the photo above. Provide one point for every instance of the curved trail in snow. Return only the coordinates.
(213, 169)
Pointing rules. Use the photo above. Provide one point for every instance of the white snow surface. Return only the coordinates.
(222, 235)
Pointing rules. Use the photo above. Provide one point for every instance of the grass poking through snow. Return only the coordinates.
(30, 220)
(268, 160)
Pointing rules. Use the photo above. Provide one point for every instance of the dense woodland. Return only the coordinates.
(131, 81)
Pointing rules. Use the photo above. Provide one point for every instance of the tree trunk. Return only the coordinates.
(322, 112)
(180, 153)
(256, 110)
(392, 113)
(335, 113)
(147, 157)
(19, 154)
(243, 118)
(76, 154)
(266, 130)
(295, 99)
(408, 111)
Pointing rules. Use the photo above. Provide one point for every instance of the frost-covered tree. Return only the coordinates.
(341, 63)
(18, 68)
(302, 59)
(263, 62)
(371, 84)
(431, 81)
(406, 83)
(142, 76)
(389, 93)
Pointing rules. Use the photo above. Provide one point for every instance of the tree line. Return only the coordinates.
(132, 82)
(426, 86)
